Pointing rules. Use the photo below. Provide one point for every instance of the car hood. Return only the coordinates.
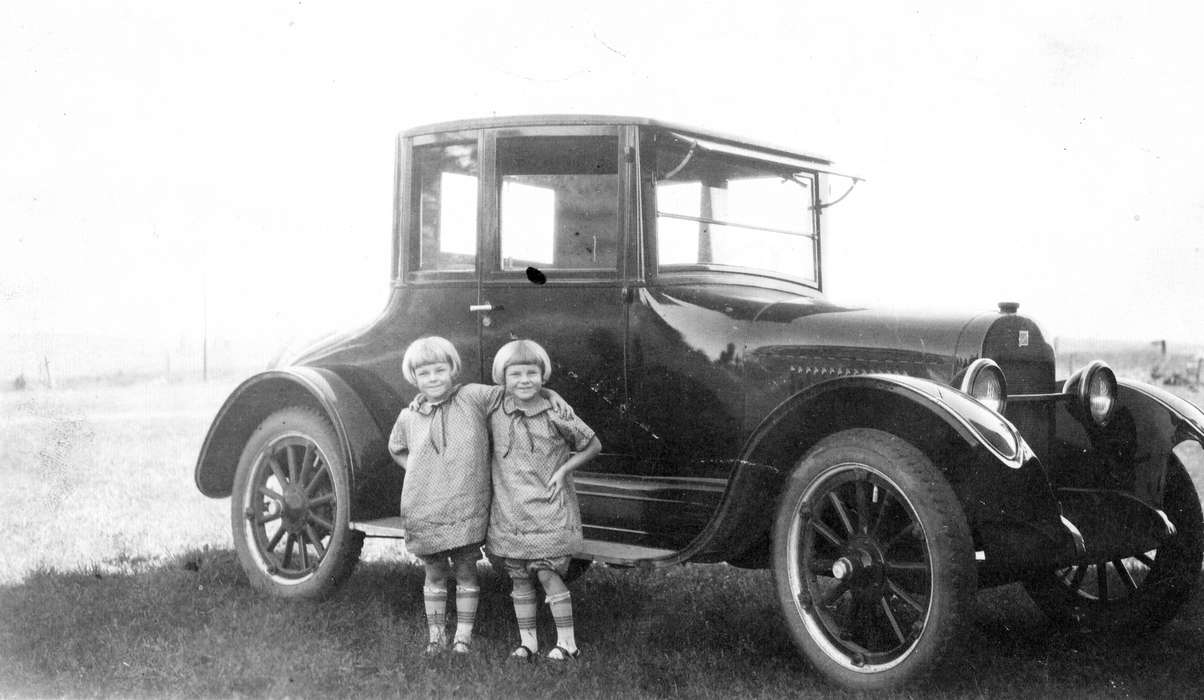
(767, 328)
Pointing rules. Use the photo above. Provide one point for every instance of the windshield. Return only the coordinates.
(719, 210)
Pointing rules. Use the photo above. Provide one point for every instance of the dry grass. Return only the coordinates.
(117, 579)
(103, 476)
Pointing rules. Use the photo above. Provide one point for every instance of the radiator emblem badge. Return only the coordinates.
(1023, 339)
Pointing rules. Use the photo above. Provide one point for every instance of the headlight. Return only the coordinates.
(984, 381)
(1095, 388)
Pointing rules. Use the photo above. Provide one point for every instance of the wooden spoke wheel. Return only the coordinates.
(873, 560)
(290, 507)
(1138, 593)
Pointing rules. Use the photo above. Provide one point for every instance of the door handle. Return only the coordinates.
(481, 307)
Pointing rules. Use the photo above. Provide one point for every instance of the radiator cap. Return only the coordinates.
(1009, 307)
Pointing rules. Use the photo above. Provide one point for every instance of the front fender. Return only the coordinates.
(838, 403)
(1184, 415)
(1131, 453)
(362, 441)
(1001, 484)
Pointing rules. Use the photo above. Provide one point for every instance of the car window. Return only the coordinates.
(720, 211)
(559, 202)
(445, 177)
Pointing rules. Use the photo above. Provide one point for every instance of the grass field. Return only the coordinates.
(102, 476)
(117, 579)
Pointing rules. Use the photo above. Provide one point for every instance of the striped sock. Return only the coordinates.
(524, 612)
(562, 613)
(466, 611)
(435, 600)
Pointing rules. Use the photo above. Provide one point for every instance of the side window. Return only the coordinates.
(559, 202)
(731, 211)
(445, 179)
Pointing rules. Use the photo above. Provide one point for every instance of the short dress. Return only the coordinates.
(529, 445)
(446, 494)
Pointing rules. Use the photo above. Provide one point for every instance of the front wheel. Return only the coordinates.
(1133, 594)
(290, 509)
(873, 560)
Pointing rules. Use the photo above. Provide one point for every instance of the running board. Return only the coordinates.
(381, 527)
(622, 554)
(594, 550)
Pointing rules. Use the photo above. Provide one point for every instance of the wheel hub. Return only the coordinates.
(296, 506)
(861, 566)
(852, 564)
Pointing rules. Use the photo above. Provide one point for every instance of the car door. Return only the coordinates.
(553, 262)
(440, 223)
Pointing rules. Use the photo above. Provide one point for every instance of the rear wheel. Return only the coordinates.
(1139, 593)
(873, 560)
(290, 509)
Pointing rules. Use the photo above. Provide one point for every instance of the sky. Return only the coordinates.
(169, 167)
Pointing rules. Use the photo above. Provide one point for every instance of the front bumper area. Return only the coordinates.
(1109, 481)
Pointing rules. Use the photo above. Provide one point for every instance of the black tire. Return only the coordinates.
(291, 505)
(873, 561)
(1139, 593)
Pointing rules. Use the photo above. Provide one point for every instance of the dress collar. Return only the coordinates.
(426, 408)
(541, 404)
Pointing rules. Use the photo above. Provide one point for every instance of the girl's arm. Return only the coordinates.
(488, 398)
(559, 405)
(399, 450)
(575, 460)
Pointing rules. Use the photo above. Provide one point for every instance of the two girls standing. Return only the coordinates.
(518, 501)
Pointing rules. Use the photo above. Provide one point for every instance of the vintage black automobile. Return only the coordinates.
(884, 465)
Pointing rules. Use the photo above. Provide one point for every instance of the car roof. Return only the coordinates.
(595, 120)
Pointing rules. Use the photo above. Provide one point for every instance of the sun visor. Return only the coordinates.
(818, 165)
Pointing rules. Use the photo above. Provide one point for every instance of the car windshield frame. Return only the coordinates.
(670, 159)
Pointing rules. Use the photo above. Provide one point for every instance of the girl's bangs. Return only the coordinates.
(524, 354)
(428, 354)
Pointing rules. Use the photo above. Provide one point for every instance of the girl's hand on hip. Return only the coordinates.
(556, 483)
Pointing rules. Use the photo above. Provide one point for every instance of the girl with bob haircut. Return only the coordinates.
(535, 521)
(428, 351)
(520, 352)
(442, 441)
